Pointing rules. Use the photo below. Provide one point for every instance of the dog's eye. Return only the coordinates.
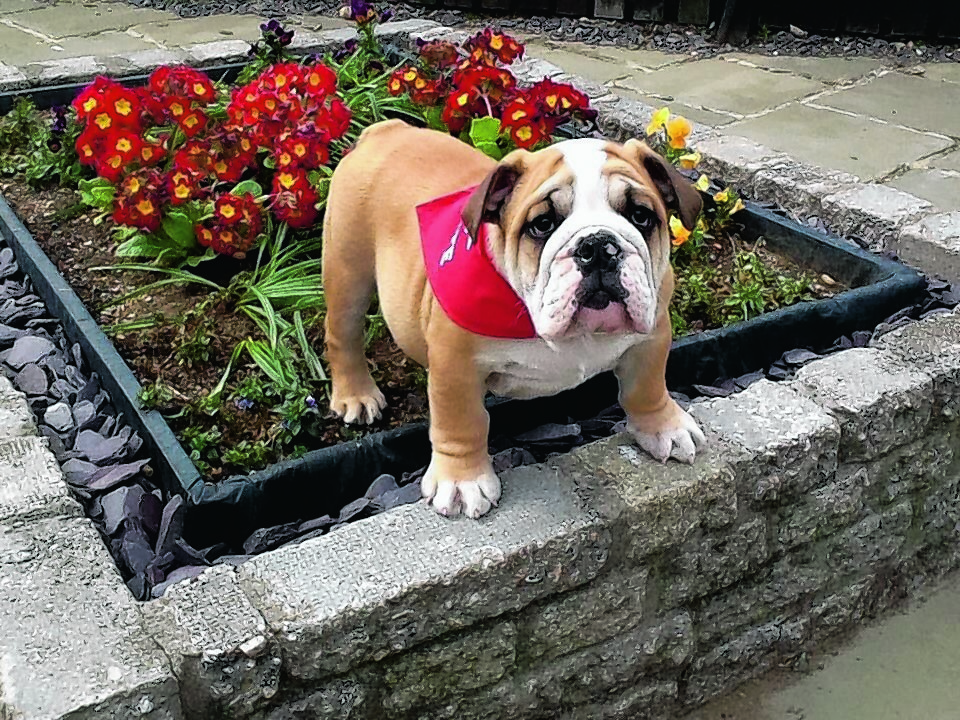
(541, 226)
(643, 218)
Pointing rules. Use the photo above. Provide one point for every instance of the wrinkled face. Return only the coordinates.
(585, 241)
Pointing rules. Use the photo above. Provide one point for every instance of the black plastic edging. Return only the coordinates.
(172, 465)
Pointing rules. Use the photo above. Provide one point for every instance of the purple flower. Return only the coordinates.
(59, 119)
(273, 30)
(244, 404)
(386, 15)
(349, 47)
(360, 11)
(310, 401)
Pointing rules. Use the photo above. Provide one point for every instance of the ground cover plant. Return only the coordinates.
(188, 219)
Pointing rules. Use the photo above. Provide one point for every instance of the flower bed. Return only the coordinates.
(283, 336)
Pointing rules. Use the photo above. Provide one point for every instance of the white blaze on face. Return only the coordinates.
(552, 300)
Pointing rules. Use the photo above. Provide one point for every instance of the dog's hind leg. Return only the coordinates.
(349, 281)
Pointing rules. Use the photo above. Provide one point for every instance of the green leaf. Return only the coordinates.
(247, 186)
(434, 118)
(178, 228)
(491, 149)
(97, 193)
(141, 245)
(194, 260)
(484, 130)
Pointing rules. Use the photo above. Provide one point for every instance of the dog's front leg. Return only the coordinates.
(659, 425)
(460, 478)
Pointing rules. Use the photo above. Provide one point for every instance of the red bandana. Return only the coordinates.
(467, 284)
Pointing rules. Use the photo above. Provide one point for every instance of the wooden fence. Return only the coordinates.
(932, 19)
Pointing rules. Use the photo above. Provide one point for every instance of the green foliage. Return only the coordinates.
(155, 396)
(246, 454)
(30, 145)
(202, 444)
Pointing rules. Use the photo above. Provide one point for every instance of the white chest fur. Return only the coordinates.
(532, 368)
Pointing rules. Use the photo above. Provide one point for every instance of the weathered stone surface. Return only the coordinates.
(71, 635)
(385, 584)
(654, 699)
(584, 677)
(606, 607)
(878, 538)
(920, 466)
(11, 78)
(665, 503)
(878, 403)
(941, 188)
(830, 70)
(16, 420)
(146, 60)
(217, 643)
(343, 698)
(800, 187)
(218, 51)
(933, 347)
(777, 593)
(737, 160)
(824, 511)
(933, 245)
(27, 350)
(448, 668)
(744, 657)
(705, 564)
(74, 69)
(31, 485)
(792, 442)
(875, 213)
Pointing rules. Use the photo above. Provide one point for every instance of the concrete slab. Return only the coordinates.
(73, 20)
(832, 71)
(179, 33)
(947, 72)
(8, 7)
(698, 115)
(940, 187)
(837, 141)
(950, 161)
(908, 100)
(595, 69)
(19, 48)
(320, 22)
(904, 667)
(635, 59)
(106, 43)
(16, 418)
(71, 636)
(31, 484)
(720, 85)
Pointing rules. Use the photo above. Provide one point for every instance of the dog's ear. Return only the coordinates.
(488, 199)
(677, 192)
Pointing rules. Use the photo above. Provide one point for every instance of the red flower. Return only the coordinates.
(89, 146)
(182, 186)
(184, 81)
(193, 123)
(319, 80)
(439, 54)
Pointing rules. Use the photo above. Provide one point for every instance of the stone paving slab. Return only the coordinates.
(832, 70)
(596, 69)
(71, 637)
(56, 22)
(721, 85)
(31, 484)
(940, 187)
(946, 72)
(177, 33)
(107, 43)
(19, 47)
(830, 139)
(950, 161)
(916, 102)
(696, 114)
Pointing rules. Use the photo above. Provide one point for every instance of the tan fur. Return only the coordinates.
(372, 241)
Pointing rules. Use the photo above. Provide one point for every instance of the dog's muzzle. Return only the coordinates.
(599, 257)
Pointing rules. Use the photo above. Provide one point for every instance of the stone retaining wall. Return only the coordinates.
(605, 586)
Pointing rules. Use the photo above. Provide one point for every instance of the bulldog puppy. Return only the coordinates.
(543, 270)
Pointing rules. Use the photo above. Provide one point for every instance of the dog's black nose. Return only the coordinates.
(597, 252)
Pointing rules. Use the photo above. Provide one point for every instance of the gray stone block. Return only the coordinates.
(218, 643)
(921, 467)
(408, 28)
(66, 70)
(874, 212)
(878, 402)
(448, 668)
(650, 699)
(309, 42)
(933, 347)
(933, 245)
(16, 419)
(792, 442)
(147, 60)
(584, 678)
(385, 584)
(12, 78)
(777, 594)
(344, 698)
(71, 635)
(532, 70)
(823, 511)
(738, 160)
(31, 484)
(216, 52)
(800, 188)
(747, 656)
(662, 504)
(606, 607)
(877, 539)
(710, 562)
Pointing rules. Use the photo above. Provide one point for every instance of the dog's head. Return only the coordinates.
(580, 231)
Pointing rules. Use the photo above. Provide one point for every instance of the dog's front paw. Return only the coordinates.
(472, 495)
(669, 432)
(361, 408)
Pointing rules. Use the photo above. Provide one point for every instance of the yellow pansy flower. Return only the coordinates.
(679, 232)
(690, 160)
(737, 207)
(658, 120)
(677, 130)
(722, 196)
(702, 183)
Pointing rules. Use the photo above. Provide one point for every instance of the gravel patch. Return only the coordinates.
(688, 40)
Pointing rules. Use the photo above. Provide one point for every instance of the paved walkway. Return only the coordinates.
(857, 115)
